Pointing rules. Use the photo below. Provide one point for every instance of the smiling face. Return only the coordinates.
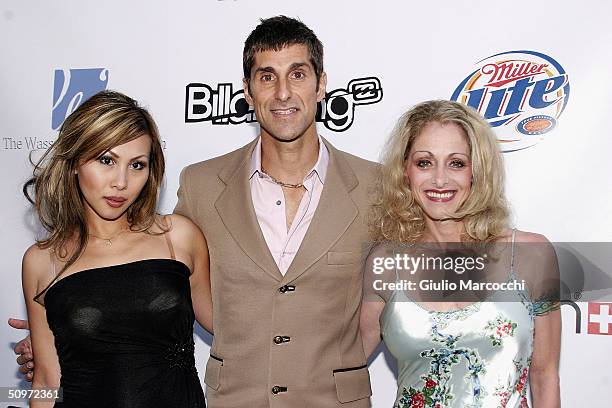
(283, 91)
(110, 183)
(438, 169)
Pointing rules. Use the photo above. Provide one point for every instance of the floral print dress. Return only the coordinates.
(477, 356)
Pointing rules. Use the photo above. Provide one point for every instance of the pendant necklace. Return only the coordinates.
(109, 241)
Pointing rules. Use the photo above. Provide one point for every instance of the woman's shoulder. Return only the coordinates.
(36, 262)
(530, 237)
(382, 248)
(180, 223)
(170, 222)
(180, 227)
(534, 250)
(523, 237)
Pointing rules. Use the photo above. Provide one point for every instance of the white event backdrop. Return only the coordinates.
(381, 58)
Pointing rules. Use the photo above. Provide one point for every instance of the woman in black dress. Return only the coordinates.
(109, 290)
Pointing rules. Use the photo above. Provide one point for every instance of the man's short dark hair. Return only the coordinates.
(276, 33)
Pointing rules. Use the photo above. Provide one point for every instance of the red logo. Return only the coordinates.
(520, 93)
(600, 318)
(502, 73)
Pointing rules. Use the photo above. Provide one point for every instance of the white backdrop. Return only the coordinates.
(152, 50)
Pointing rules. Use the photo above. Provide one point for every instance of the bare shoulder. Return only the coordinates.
(382, 249)
(181, 223)
(521, 237)
(36, 263)
(182, 229)
(531, 237)
(535, 252)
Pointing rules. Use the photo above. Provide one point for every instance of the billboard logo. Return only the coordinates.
(73, 87)
(600, 318)
(522, 94)
(221, 105)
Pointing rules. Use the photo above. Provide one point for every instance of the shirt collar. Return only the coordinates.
(320, 167)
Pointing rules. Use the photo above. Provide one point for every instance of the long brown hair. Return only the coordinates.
(106, 120)
(396, 216)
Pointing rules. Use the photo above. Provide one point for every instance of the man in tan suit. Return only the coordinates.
(284, 217)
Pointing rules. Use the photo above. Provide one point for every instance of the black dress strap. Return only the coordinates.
(40, 297)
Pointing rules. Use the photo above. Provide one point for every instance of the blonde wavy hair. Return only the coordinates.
(396, 215)
(106, 120)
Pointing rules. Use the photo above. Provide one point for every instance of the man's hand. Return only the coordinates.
(23, 349)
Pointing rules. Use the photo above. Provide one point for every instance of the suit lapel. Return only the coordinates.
(334, 214)
(235, 207)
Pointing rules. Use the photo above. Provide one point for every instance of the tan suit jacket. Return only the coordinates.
(283, 341)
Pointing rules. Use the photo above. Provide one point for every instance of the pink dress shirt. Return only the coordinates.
(269, 203)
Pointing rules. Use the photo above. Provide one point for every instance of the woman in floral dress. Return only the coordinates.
(481, 330)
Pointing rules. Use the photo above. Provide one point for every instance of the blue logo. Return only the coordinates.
(536, 125)
(522, 94)
(73, 87)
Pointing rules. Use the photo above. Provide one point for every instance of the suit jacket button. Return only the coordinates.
(275, 389)
(278, 340)
(286, 288)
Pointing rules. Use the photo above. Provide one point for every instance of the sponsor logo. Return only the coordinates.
(72, 87)
(522, 94)
(600, 318)
(577, 314)
(221, 105)
(536, 125)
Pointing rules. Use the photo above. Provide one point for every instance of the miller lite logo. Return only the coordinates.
(521, 94)
(600, 318)
(222, 105)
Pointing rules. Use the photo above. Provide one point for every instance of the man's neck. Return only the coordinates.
(289, 162)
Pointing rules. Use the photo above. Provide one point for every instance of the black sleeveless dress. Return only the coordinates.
(124, 336)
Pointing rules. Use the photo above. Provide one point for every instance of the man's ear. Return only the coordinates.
(322, 86)
(247, 91)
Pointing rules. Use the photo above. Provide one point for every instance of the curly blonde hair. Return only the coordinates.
(106, 120)
(396, 215)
